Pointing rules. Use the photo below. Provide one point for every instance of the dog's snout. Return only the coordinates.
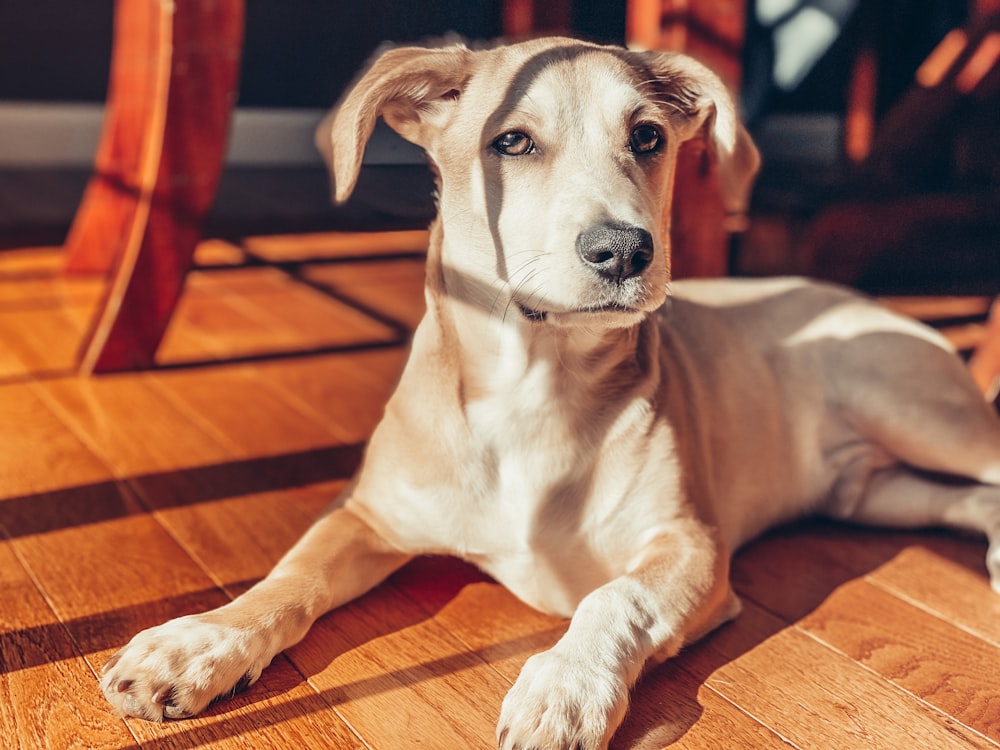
(616, 251)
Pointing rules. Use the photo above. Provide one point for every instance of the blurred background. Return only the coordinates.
(870, 177)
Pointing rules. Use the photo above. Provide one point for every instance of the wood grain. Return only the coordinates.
(392, 290)
(814, 696)
(246, 313)
(48, 695)
(303, 247)
(928, 657)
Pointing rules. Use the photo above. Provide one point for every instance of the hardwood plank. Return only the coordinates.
(237, 540)
(216, 252)
(45, 340)
(455, 595)
(19, 293)
(246, 281)
(965, 337)
(178, 458)
(792, 570)
(381, 656)
(148, 579)
(11, 366)
(671, 708)
(103, 412)
(941, 572)
(347, 393)
(940, 663)
(668, 705)
(303, 247)
(139, 576)
(320, 320)
(813, 696)
(277, 316)
(394, 290)
(41, 454)
(206, 327)
(946, 576)
(32, 260)
(252, 418)
(48, 695)
(937, 308)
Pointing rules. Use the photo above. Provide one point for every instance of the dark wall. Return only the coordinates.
(55, 49)
(306, 57)
(298, 53)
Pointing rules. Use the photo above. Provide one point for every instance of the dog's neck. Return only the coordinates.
(496, 350)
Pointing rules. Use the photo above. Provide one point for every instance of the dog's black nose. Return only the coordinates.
(615, 251)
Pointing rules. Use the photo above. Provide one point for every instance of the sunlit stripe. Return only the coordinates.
(939, 62)
(983, 60)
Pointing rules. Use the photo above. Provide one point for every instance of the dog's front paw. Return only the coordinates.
(561, 702)
(176, 669)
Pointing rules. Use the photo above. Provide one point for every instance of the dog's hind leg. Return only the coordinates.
(900, 497)
(929, 448)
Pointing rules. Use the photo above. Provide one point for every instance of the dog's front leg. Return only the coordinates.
(574, 696)
(176, 669)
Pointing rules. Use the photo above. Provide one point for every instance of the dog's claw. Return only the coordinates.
(560, 703)
(175, 670)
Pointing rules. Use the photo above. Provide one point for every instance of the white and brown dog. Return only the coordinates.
(599, 447)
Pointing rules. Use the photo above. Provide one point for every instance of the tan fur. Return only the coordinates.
(598, 450)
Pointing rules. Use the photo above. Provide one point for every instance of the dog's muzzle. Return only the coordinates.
(615, 252)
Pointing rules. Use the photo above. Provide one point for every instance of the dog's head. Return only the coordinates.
(554, 160)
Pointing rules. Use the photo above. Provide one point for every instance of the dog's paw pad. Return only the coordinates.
(561, 703)
(175, 670)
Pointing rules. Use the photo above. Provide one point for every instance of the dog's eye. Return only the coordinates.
(644, 139)
(514, 143)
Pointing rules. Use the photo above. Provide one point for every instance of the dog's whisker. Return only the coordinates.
(516, 293)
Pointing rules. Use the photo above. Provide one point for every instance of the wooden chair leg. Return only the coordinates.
(174, 75)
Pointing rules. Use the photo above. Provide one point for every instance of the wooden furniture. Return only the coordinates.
(174, 75)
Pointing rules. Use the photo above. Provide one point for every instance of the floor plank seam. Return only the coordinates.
(400, 329)
(749, 714)
(58, 621)
(944, 717)
(891, 590)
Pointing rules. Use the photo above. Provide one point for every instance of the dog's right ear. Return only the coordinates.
(413, 88)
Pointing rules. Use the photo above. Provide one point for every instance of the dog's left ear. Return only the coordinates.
(691, 89)
(413, 88)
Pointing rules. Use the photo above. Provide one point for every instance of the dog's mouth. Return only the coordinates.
(535, 316)
(590, 311)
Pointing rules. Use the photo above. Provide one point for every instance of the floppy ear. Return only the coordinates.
(699, 96)
(413, 88)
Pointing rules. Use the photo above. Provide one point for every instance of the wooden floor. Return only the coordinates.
(129, 499)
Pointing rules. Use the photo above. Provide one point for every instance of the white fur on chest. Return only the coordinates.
(549, 522)
(539, 478)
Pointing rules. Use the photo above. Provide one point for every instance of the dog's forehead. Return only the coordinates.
(540, 76)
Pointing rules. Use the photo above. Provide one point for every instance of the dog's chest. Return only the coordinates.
(557, 513)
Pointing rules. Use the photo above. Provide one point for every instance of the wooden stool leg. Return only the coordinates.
(174, 75)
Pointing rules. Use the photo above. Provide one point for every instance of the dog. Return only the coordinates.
(597, 439)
